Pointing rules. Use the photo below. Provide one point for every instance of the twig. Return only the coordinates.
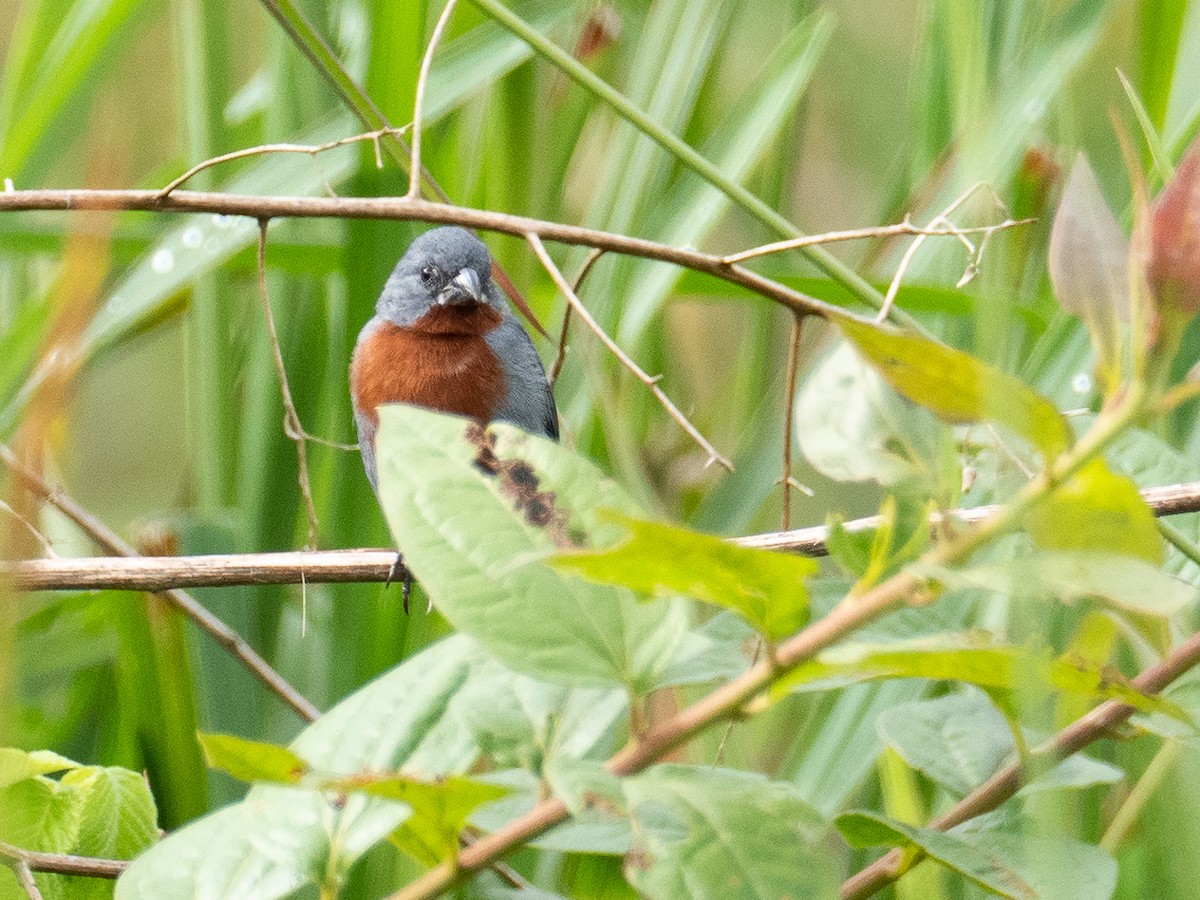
(262, 149)
(1005, 783)
(63, 863)
(561, 356)
(191, 607)
(649, 381)
(414, 174)
(156, 573)
(14, 859)
(974, 254)
(793, 364)
(291, 420)
(47, 546)
(855, 234)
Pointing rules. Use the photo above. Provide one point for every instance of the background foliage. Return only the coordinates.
(165, 416)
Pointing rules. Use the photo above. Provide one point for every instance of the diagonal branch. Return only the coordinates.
(650, 381)
(414, 171)
(225, 636)
(1005, 783)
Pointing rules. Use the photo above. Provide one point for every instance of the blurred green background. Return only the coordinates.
(134, 363)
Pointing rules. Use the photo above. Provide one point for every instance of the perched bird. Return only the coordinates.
(443, 337)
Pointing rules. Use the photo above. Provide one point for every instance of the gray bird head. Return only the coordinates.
(448, 270)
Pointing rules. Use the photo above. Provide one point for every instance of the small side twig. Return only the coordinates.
(414, 177)
(262, 149)
(225, 636)
(291, 420)
(47, 546)
(14, 859)
(857, 234)
(60, 864)
(974, 253)
(561, 356)
(650, 381)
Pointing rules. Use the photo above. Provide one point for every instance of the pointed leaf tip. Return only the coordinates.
(1173, 269)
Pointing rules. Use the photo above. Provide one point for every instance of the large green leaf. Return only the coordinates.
(707, 832)
(1096, 510)
(767, 588)
(961, 740)
(475, 513)
(1019, 866)
(956, 386)
(1123, 581)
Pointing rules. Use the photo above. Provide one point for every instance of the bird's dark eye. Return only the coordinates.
(428, 274)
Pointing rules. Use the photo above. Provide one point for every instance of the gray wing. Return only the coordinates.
(529, 402)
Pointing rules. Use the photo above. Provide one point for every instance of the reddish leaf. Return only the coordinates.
(1173, 270)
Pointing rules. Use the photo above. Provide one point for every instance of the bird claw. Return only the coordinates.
(400, 573)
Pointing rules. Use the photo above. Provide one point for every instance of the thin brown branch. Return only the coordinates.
(561, 356)
(47, 545)
(414, 174)
(1004, 784)
(156, 573)
(649, 381)
(14, 859)
(63, 863)
(856, 234)
(291, 419)
(225, 636)
(793, 364)
(404, 209)
(263, 149)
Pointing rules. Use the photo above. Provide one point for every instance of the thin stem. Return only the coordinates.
(310, 149)
(225, 636)
(561, 356)
(291, 420)
(650, 381)
(414, 171)
(1127, 815)
(793, 364)
(858, 234)
(63, 863)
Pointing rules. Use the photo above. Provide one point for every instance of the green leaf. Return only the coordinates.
(955, 386)
(1122, 581)
(707, 832)
(252, 761)
(767, 588)
(120, 818)
(475, 522)
(852, 427)
(961, 740)
(1096, 509)
(1018, 866)
(1001, 670)
(17, 765)
(872, 554)
(440, 808)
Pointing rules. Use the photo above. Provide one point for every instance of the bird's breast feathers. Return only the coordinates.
(448, 371)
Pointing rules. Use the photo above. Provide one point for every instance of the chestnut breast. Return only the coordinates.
(442, 362)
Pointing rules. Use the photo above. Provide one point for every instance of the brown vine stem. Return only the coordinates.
(650, 381)
(225, 636)
(561, 356)
(291, 419)
(732, 698)
(158, 573)
(1005, 783)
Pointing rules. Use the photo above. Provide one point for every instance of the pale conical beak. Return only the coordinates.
(465, 288)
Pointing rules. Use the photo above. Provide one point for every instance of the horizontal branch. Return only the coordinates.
(158, 573)
(405, 208)
(64, 863)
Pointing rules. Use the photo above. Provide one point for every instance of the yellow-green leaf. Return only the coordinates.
(252, 761)
(767, 588)
(956, 386)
